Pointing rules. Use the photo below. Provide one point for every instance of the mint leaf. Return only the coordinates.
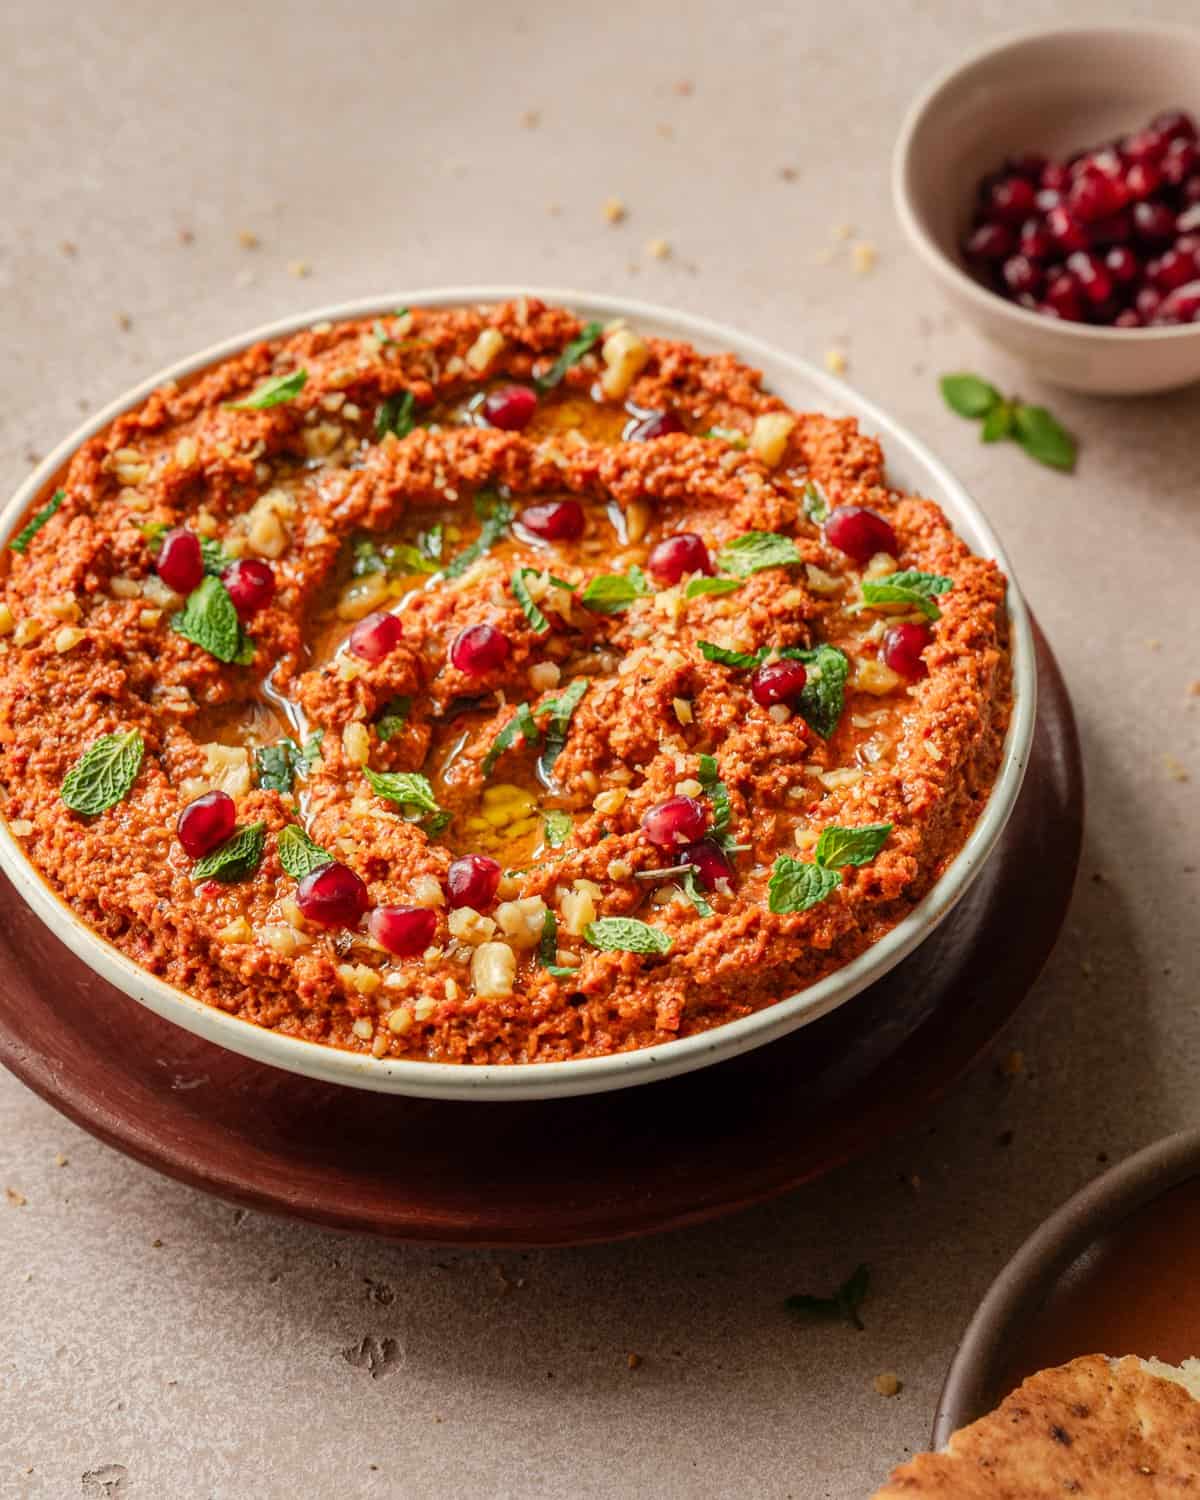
(276, 392)
(711, 586)
(730, 435)
(537, 620)
(298, 855)
(520, 726)
(626, 935)
(816, 506)
(208, 619)
(570, 356)
(610, 593)
(560, 710)
(795, 887)
(548, 946)
(276, 765)
(691, 889)
(742, 661)
(557, 827)
(1043, 438)
(850, 846)
(404, 788)
(844, 1303)
(20, 543)
(908, 587)
(393, 718)
(824, 694)
(496, 515)
(236, 858)
(395, 415)
(998, 423)
(709, 777)
(104, 774)
(755, 551)
(968, 395)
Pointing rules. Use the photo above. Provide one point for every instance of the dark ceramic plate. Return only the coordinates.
(1131, 1231)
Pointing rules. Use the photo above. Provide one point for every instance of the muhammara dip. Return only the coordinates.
(476, 686)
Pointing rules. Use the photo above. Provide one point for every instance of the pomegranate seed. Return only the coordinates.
(1180, 162)
(677, 821)
(1122, 264)
(1174, 125)
(376, 636)
(1055, 175)
(1190, 192)
(860, 533)
(989, 242)
(1144, 146)
(555, 520)
(332, 896)
(1062, 296)
(180, 563)
(1089, 272)
(1035, 242)
(708, 860)
(1153, 223)
(1022, 275)
(205, 823)
(480, 649)
(1142, 180)
(1029, 164)
(678, 555)
(1107, 161)
(1189, 220)
(472, 881)
(251, 584)
(1147, 302)
(1114, 231)
(1047, 198)
(1010, 201)
(1173, 269)
(902, 648)
(778, 682)
(657, 424)
(1183, 304)
(510, 407)
(1094, 195)
(404, 931)
(1065, 230)
(1127, 319)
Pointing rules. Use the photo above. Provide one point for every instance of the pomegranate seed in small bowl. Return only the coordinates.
(1053, 246)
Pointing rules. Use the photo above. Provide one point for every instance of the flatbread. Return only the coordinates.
(1098, 1428)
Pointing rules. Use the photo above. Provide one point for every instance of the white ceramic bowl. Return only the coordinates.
(910, 465)
(1055, 91)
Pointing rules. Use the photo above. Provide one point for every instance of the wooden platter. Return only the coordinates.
(601, 1167)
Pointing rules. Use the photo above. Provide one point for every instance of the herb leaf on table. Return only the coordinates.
(844, 1303)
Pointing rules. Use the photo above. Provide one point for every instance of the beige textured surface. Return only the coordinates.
(384, 145)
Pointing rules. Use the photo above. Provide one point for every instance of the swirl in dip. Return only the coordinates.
(476, 686)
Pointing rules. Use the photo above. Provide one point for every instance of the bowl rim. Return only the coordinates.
(1022, 1284)
(622, 1069)
(945, 265)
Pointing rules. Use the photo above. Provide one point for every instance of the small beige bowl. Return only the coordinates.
(1054, 91)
